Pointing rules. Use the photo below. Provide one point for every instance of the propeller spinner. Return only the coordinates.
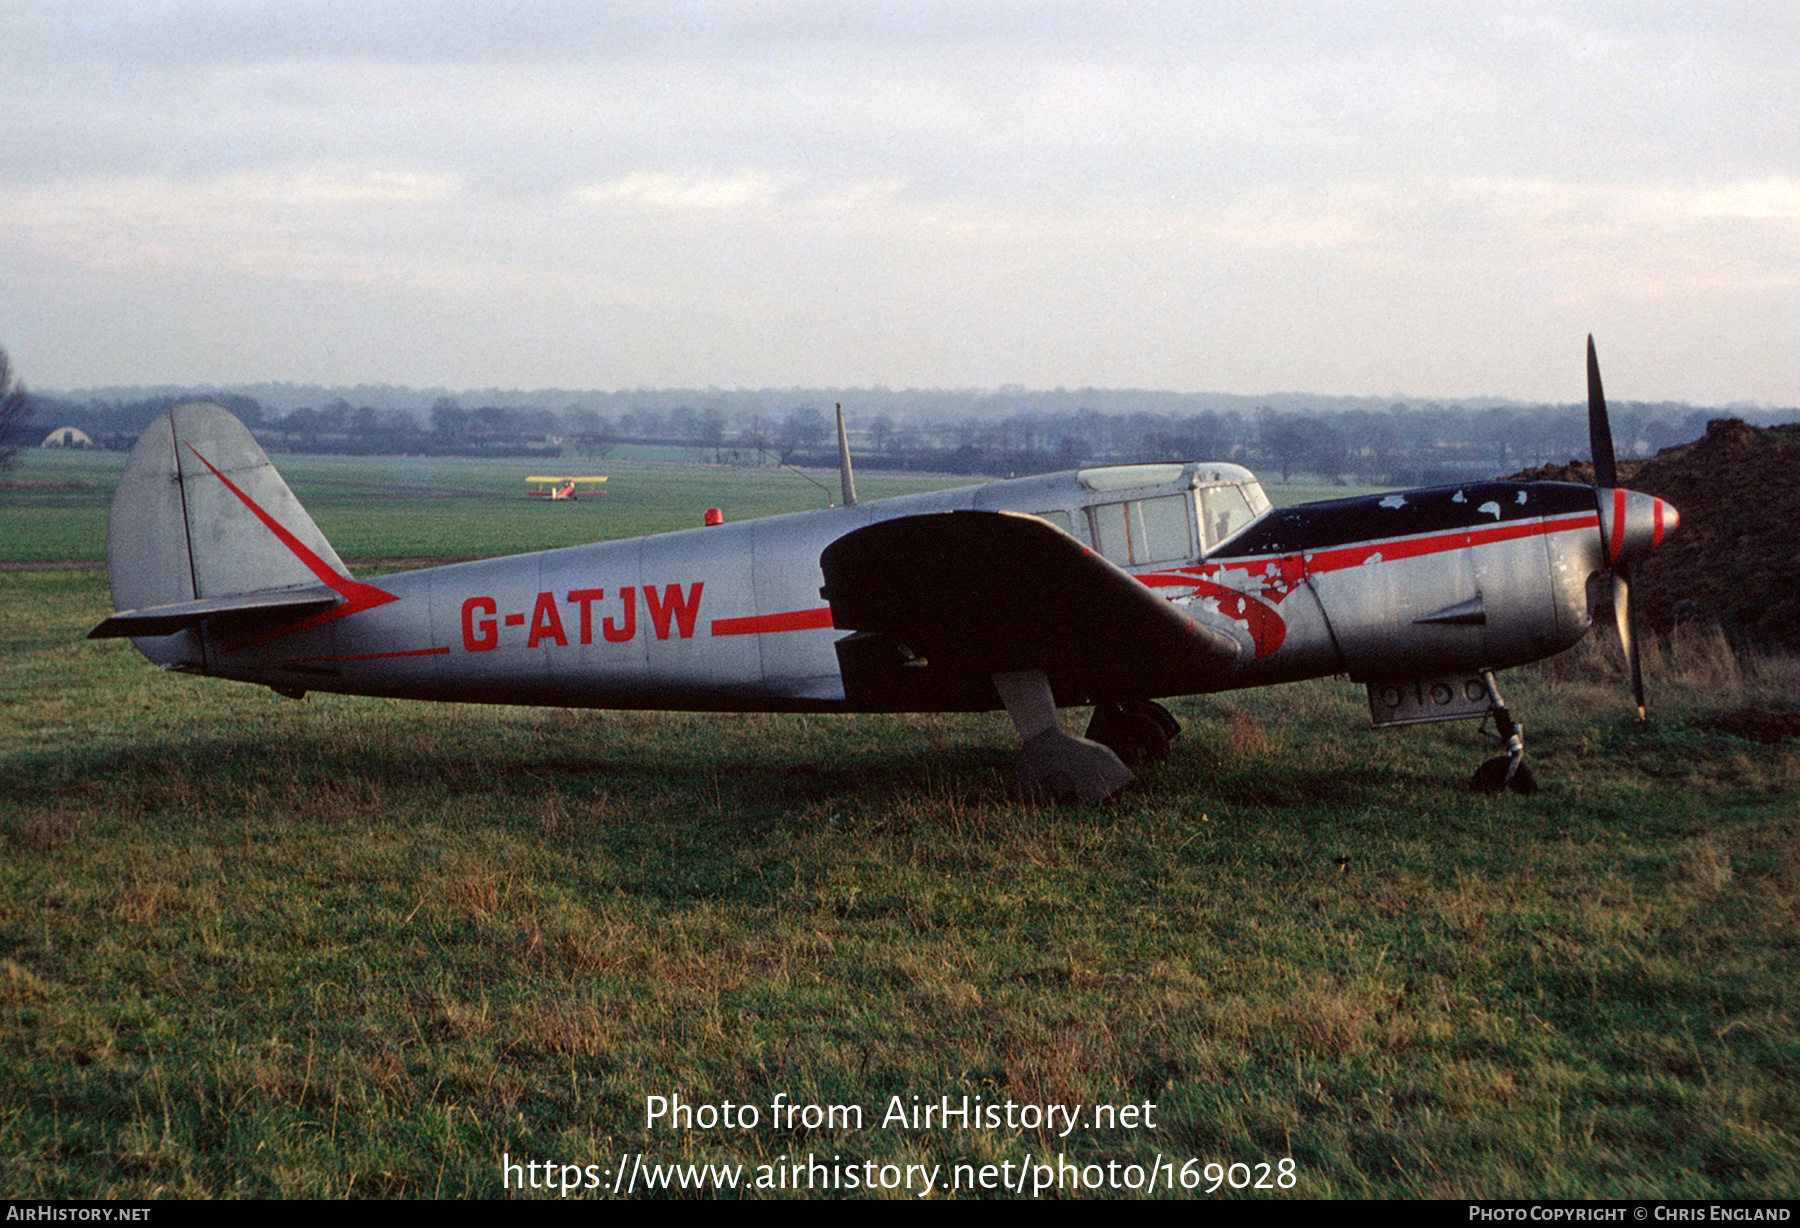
(1631, 524)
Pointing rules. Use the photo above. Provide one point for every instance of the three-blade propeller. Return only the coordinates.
(1606, 482)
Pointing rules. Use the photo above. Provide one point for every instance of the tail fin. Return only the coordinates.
(202, 527)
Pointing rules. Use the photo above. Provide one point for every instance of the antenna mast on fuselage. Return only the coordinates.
(844, 460)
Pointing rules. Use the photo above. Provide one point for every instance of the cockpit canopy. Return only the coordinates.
(1146, 515)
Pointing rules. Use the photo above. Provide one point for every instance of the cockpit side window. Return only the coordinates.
(1143, 531)
(1167, 535)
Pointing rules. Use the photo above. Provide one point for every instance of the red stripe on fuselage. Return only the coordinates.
(763, 624)
(1338, 557)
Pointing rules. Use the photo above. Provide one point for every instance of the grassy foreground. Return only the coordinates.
(350, 947)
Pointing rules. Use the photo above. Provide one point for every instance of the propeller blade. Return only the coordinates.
(1600, 443)
(1606, 478)
(1621, 595)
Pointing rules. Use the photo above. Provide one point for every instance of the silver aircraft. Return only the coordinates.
(1111, 587)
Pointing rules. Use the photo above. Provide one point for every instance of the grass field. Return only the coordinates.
(253, 947)
(55, 503)
(431, 507)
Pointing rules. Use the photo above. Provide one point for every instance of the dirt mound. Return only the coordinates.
(1736, 559)
(1757, 725)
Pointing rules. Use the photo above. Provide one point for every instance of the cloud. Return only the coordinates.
(1334, 196)
(657, 192)
(1772, 199)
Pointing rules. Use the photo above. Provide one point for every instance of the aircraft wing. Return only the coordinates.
(943, 602)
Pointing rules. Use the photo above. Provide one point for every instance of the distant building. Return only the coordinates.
(67, 437)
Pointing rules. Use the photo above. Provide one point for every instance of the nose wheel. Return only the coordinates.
(1505, 771)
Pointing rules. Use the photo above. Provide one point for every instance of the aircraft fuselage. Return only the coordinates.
(730, 618)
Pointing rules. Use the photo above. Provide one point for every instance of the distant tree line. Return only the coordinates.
(1012, 432)
(15, 413)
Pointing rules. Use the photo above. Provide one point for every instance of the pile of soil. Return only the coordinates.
(1736, 559)
(1757, 725)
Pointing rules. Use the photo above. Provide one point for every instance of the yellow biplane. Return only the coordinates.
(558, 489)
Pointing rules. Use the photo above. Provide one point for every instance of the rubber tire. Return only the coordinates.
(1162, 716)
(1490, 778)
(1135, 737)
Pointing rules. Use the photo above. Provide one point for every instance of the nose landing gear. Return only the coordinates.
(1507, 771)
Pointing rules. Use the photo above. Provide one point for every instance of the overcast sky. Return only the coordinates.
(1421, 199)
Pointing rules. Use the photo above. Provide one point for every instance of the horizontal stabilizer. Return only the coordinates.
(181, 615)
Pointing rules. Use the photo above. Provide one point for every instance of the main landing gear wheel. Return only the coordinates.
(1138, 731)
(1055, 767)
